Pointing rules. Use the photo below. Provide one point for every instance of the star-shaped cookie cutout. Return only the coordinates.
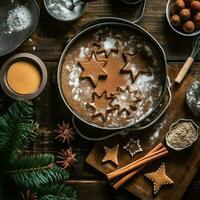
(111, 154)
(133, 147)
(115, 79)
(135, 65)
(126, 100)
(159, 178)
(93, 69)
(101, 106)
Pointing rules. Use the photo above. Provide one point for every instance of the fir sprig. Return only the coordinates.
(17, 130)
(31, 163)
(37, 173)
(58, 192)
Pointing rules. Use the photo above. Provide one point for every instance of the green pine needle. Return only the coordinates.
(58, 197)
(37, 173)
(56, 192)
(31, 163)
(17, 129)
(38, 178)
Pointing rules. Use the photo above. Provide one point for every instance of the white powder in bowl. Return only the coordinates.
(19, 18)
(64, 9)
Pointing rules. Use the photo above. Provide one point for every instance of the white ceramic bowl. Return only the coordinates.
(170, 4)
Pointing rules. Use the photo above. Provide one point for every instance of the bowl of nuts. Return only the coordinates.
(183, 16)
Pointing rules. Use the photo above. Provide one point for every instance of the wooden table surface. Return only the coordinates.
(48, 42)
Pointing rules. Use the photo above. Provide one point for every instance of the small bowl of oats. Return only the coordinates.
(182, 134)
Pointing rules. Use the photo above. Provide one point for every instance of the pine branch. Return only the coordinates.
(36, 172)
(57, 197)
(31, 163)
(16, 129)
(55, 189)
(56, 192)
(38, 178)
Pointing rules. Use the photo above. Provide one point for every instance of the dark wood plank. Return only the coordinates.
(98, 190)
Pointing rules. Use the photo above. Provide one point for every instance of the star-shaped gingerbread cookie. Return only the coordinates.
(135, 65)
(111, 154)
(159, 178)
(115, 79)
(101, 105)
(126, 100)
(93, 69)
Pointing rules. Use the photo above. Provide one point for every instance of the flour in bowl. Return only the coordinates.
(64, 9)
(19, 19)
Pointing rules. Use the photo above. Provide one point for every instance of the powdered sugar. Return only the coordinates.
(64, 9)
(84, 52)
(74, 82)
(74, 75)
(144, 82)
(18, 19)
(109, 43)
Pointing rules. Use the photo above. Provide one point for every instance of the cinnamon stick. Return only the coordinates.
(153, 154)
(138, 163)
(159, 147)
(123, 180)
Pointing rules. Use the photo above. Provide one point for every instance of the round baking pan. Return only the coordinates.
(106, 22)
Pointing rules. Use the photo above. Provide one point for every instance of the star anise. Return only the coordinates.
(65, 132)
(28, 195)
(66, 158)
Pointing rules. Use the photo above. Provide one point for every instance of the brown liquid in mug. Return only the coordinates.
(23, 77)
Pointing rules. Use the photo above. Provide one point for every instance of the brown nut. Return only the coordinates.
(196, 18)
(188, 3)
(179, 4)
(175, 20)
(185, 14)
(195, 6)
(188, 26)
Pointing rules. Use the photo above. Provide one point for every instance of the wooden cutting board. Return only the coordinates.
(180, 166)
